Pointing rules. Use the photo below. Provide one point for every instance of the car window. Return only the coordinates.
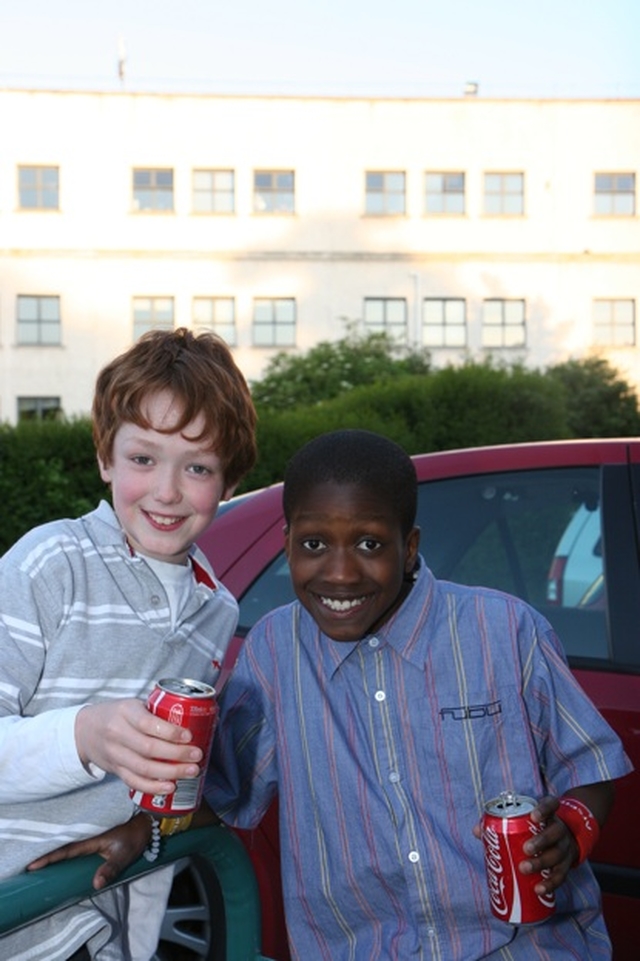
(535, 534)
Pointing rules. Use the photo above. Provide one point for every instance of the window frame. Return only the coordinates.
(39, 187)
(446, 326)
(503, 195)
(445, 193)
(40, 321)
(155, 191)
(156, 322)
(504, 326)
(613, 197)
(612, 304)
(276, 197)
(385, 324)
(384, 194)
(279, 325)
(214, 192)
(42, 408)
(223, 328)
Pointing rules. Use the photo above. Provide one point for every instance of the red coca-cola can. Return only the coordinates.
(190, 704)
(506, 825)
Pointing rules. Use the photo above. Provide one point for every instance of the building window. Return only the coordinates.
(39, 408)
(444, 322)
(504, 194)
(274, 322)
(213, 191)
(385, 193)
(615, 194)
(152, 313)
(38, 188)
(217, 314)
(503, 324)
(614, 323)
(444, 193)
(38, 321)
(274, 191)
(152, 189)
(386, 314)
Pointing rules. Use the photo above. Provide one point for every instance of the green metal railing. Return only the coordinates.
(32, 895)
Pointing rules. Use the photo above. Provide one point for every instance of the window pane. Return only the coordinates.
(375, 203)
(493, 204)
(375, 181)
(513, 311)
(492, 312)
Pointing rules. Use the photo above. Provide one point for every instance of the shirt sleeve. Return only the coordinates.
(38, 754)
(242, 776)
(40, 757)
(576, 744)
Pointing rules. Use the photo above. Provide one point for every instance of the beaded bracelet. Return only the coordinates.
(582, 824)
(152, 850)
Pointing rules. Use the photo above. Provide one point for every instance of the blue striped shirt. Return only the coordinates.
(383, 752)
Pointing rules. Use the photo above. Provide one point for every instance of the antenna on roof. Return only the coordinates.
(122, 58)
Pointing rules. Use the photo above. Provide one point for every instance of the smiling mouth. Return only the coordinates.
(341, 607)
(160, 520)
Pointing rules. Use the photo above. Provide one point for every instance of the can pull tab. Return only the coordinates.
(508, 799)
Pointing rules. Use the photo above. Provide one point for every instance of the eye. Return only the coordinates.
(142, 459)
(200, 470)
(313, 544)
(369, 544)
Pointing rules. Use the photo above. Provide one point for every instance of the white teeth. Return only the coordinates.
(163, 521)
(340, 606)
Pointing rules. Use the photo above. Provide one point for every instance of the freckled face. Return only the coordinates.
(165, 487)
(348, 559)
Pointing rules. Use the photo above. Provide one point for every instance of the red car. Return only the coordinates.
(556, 523)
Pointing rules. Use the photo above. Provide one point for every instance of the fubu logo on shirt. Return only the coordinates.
(471, 712)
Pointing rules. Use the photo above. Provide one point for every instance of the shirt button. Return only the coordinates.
(414, 857)
(373, 642)
(394, 777)
(155, 600)
(431, 933)
(380, 696)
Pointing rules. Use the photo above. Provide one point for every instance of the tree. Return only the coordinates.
(599, 402)
(332, 368)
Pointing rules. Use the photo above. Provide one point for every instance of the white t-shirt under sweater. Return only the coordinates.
(82, 620)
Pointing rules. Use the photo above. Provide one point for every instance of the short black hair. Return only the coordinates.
(358, 457)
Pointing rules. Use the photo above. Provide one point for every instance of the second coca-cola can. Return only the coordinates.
(506, 825)
(190, 704)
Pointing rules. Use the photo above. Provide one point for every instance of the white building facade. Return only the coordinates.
(465, 226)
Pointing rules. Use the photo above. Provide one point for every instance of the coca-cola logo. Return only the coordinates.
(176, 714)
(495, 871)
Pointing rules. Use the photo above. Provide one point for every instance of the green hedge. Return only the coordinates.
(48, 470)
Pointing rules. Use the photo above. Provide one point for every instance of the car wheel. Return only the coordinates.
(194, 925)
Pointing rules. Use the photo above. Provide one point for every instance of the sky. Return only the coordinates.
(380, 48)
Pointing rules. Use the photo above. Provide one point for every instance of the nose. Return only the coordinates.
(341, 567)
(167, 487)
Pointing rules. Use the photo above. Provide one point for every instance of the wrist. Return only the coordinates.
(581, 823)
(160, 828)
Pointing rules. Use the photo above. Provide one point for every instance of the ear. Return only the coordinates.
(411, 549)
(105, 472)
(228, 493)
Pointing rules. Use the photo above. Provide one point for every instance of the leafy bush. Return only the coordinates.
(48, 470)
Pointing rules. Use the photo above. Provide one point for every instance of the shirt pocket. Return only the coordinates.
(480, 746)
